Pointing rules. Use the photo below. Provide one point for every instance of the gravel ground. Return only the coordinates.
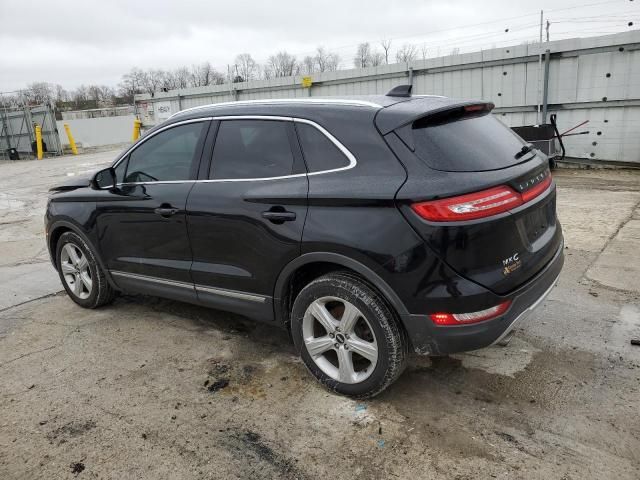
(150, 388)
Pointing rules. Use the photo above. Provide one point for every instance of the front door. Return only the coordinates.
(245, 219)
(142, 223)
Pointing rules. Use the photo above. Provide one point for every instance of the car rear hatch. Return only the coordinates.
(479, 196)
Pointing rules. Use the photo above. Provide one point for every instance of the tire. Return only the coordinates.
(81, 275)
(347, 366)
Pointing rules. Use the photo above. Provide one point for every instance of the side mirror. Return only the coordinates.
(105, 179)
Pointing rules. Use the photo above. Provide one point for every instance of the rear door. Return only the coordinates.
(246, 214)
(142, 223)
(469, 154)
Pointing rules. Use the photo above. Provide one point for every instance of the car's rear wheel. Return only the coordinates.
(81, 275)
(347, 336)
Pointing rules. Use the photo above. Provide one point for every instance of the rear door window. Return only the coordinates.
(252, 149)
(467, 144)
(319, 152)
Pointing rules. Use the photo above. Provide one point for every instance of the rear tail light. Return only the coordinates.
(478, 204)
(472, 317)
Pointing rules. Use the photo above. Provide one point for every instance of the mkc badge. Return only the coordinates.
(511, 264)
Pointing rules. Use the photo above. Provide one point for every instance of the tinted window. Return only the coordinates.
(467, 144)
(121, 170)
(252, 149)
(320, 153)
(165, 156)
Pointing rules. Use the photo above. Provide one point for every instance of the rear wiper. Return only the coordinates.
(523, 151)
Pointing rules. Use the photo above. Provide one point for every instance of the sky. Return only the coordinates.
(78, 42)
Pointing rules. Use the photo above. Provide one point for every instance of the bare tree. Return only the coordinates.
(333, 62)
(107, 95)
(283, 64)
(247, 67)
(407, 53)
(423, 51)
(455, 51)
(61, 95)
(201, 75)
(308, 65)
(363, 55)
(180, 78)
(376, 58)
(131, 84)
(39, 92)
(386, 46)
(322, 59)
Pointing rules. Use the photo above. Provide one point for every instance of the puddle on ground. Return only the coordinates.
(499, 360)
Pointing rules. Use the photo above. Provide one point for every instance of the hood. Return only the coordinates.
(80, 181)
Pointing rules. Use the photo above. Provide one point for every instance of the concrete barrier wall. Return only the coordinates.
(595, 79)
(98, 132)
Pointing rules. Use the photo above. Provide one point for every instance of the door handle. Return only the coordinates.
(278, 215)
(166, 211)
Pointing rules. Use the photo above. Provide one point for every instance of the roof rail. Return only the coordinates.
(339, 101)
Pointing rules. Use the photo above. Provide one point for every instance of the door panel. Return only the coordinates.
(135, 238)
(244, 230)
(142, 223)
(235, 247)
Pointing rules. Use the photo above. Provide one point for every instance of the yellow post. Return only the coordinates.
(39, 142)
(72, 142)
(136, 130)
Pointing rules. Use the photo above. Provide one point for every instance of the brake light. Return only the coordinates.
(478, 204)
(472, 317)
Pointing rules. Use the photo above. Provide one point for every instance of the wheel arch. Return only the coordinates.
(324, 262)
(60, 227)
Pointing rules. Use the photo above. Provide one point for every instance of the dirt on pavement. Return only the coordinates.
(151, 388)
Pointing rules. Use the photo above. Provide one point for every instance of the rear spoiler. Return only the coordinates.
(405, 113)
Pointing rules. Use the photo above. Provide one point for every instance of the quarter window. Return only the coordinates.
(320, 153)
(166, 156)
(252, 149)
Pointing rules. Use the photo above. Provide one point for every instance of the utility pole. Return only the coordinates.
(539, 69)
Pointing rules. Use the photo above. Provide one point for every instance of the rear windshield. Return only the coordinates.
(466, 144)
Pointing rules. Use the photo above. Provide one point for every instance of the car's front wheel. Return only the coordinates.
(347, 336)
(81, 275)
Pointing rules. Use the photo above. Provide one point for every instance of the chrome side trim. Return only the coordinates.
(232, 293)
(352, 159)
(325, 101)
(147, 278)
(200, 288)
(526, 312)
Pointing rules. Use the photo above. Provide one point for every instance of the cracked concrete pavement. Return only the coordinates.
(124, 391)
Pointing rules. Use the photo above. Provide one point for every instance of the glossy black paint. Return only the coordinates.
(239, 245)
(137, 237)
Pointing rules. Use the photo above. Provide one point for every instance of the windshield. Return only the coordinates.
(466, 144)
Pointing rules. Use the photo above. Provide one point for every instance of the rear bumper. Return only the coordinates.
(429, 339)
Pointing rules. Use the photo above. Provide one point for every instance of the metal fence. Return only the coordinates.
(595, 79)
(17, 132)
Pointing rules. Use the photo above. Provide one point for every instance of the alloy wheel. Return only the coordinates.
(75, 269)
(340, 340)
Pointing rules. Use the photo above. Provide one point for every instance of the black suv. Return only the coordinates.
(367, 226)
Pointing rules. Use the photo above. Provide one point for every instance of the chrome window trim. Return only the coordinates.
(201, 288)
(345, 151)
(144, 138)
(267, 101)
